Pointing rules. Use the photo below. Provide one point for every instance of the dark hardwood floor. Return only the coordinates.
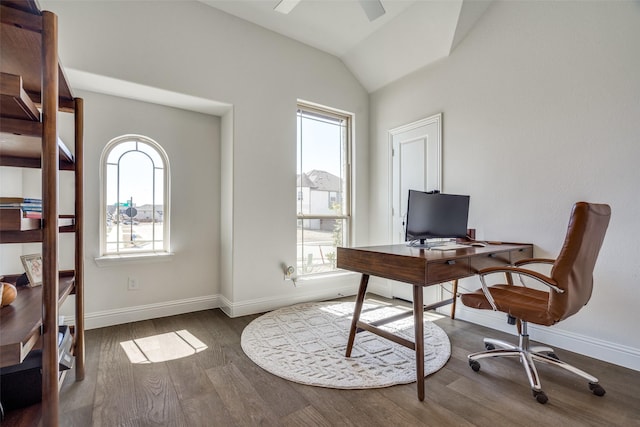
(220, 386)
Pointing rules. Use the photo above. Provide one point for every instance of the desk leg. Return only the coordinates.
(455, 298)
(356, 312)
(418, 317)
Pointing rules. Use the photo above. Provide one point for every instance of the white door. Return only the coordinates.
(416, 153)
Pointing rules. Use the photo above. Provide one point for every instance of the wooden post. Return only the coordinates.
(79, 214)
(50, 158)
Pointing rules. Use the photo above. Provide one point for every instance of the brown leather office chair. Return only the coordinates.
(568, 289)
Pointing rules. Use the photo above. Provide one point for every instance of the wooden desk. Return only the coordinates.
(419, 267)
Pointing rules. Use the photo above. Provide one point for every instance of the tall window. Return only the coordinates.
(322, 194)
(135, 197)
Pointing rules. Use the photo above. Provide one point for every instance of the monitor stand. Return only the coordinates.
(429, 243)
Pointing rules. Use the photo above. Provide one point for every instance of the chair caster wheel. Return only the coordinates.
(475, 365)
(597, 389)
(489, 346)
(540, 396)
(553, 355)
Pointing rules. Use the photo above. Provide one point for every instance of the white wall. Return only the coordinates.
(11, 186)
(189, 48)
(540, 109)
(192, 143)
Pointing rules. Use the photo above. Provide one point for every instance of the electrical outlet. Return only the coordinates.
(288, 272)
(133, 284)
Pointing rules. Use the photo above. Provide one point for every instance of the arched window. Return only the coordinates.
(135, 197)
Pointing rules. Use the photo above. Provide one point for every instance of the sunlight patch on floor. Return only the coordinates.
(162, 347)
(372, 305)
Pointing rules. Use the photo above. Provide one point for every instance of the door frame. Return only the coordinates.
(435, 119)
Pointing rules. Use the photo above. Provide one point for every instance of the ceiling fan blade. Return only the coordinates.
(373, 9)
(286, 6)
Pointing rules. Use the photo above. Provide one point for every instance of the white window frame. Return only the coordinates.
(142, 254)
(347, 202)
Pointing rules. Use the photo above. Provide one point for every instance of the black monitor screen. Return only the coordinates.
(436, 215)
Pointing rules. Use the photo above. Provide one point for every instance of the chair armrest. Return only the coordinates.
(534, 261)
(514, 270)
(545, 280)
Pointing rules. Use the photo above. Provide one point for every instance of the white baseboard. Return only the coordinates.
(380, 287)
(100, 319)
(617, 354)
(262, 305)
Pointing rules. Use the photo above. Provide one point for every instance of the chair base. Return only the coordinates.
(527, 355)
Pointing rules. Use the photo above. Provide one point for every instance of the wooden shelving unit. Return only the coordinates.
(21, 320)
(14, 220)
(31, 230)
(33, 90)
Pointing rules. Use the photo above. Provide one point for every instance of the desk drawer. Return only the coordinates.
(442, 271)
(493, 259)
(523, 253)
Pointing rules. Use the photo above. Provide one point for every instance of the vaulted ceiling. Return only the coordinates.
(408, 36)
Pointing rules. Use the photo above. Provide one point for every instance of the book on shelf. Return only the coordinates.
(24, 203)
(32, 214)
(26, 207)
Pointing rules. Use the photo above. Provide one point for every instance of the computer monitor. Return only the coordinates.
(433, 215)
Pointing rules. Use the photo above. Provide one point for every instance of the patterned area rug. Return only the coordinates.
(306, 343)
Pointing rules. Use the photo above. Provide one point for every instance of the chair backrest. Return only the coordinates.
(573, 269)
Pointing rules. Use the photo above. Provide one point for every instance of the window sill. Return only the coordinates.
(109, 260)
